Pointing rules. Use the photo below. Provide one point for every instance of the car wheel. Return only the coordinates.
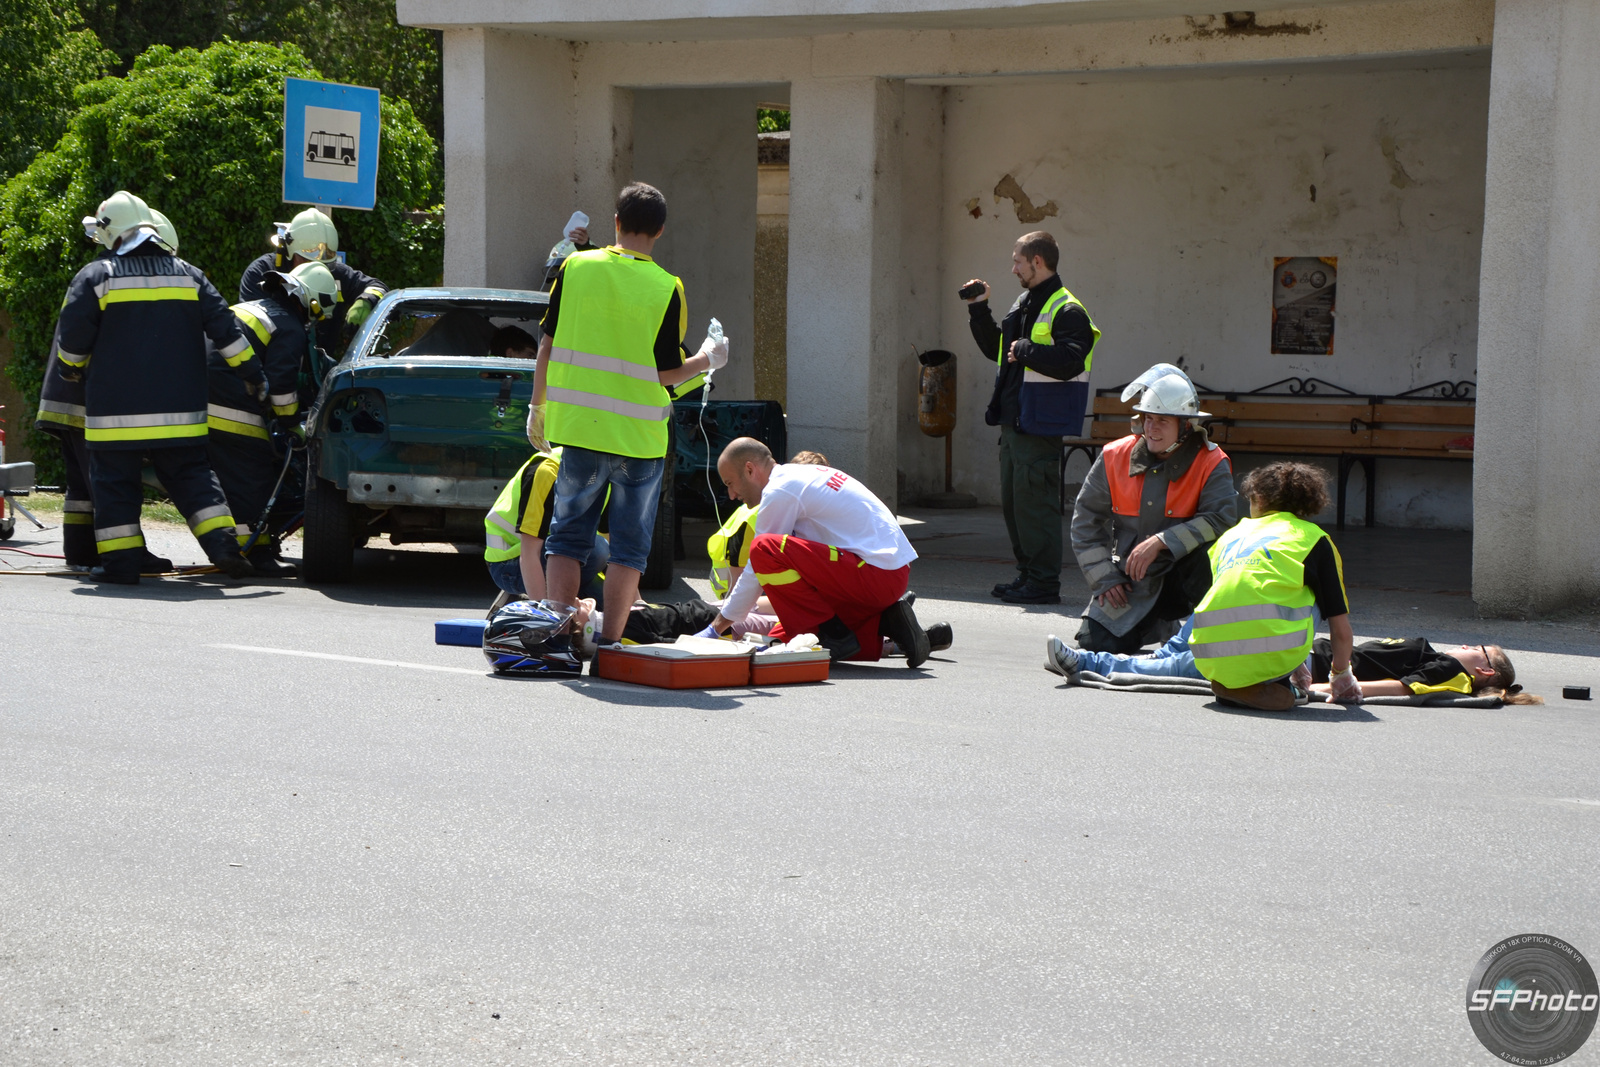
(658, 571)
(329, 552)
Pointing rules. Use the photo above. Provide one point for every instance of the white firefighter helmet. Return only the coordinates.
(120, 215)
(165, 230)
(1166, 390)
(313, 285)
(310, 235)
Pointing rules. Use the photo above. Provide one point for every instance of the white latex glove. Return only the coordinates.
(1344, 689)
(710, 632)
(716, 352)
(536, 428)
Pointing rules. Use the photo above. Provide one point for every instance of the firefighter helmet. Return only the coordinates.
(165, 230)
(309, 235)
(312, 284)
(1165, 390)
(120, 215)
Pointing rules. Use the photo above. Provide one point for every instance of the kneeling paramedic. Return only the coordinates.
(133, 328)
(516, 528)
(610, 348)
(829, 555)
(1149, 506)
(251, 433)
(1271, 574)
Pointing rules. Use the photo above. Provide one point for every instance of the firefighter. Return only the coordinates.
(243, 426)
(133, 329)
(311, 237)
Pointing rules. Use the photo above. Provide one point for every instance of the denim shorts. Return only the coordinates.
(580, 495)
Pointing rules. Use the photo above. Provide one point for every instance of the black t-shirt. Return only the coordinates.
(669, 356)
(1412, 661)
(1324, 576)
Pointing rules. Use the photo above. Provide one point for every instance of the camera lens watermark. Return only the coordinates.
(1533, 999)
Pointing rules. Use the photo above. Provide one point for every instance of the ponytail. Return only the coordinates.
(1504, 682)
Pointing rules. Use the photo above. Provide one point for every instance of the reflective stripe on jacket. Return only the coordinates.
(1255, 625)
(603, 390)
(139, 324)
(1183, 495)
(277, 338)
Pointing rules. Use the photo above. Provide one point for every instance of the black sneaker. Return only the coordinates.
(939, 637)
(1029, 593)
(899, 624)
(839, 639)
(1003, 588)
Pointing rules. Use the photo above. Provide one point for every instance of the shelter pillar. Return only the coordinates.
(844, 273)
(1536, 508)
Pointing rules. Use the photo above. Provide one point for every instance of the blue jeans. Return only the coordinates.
(581, 495)
(1171, 660)
(507, 574)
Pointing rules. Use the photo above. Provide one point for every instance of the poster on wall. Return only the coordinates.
(1302, 305)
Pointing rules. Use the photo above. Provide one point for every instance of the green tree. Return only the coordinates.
(199, 136)
(354, 41)
(44, 56)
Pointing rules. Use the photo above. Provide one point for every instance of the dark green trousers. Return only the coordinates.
(1030, 487)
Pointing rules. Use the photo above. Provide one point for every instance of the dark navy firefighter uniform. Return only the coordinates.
(239, 444)
(134, 328)
(353, 286)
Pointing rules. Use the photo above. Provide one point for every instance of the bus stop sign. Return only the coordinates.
(330, 144)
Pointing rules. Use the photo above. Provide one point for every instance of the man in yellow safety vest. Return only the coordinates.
(609, 352)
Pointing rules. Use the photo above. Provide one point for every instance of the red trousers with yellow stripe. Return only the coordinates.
(809, 583)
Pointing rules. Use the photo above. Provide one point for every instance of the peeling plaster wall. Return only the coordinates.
(1174, 194)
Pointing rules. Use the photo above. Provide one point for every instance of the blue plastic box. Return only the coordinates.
(465, 632)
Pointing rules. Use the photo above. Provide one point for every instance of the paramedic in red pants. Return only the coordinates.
(827, 553)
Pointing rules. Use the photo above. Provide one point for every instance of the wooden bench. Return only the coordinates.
(1310, 417)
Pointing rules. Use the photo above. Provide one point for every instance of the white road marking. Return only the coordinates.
(353, 659)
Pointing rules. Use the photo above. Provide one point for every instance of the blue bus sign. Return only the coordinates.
(330, 144)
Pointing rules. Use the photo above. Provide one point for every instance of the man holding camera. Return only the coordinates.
(1043, 350)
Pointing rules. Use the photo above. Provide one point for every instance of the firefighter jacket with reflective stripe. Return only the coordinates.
(277, 337)
(502, 538)
(1255, 625)
(60, 401)
(138, 325)
(353, 286)
(604, 392)
(1183, 492)
(729, 547)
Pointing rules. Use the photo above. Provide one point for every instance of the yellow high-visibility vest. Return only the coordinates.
(729, 547)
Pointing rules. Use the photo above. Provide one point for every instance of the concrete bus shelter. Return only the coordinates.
(1443, 150)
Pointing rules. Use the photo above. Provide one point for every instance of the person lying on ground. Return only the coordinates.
(828, 554)
(1388, 666)
(1402, 667)
(1150, 506)
(1255, 625)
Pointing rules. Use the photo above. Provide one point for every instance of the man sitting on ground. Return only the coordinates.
(829, 555)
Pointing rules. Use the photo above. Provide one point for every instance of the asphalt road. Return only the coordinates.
(214, 850)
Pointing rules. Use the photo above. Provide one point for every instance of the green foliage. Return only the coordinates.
(771, 120)
(199, 136)
(43, 57)
(358, 42)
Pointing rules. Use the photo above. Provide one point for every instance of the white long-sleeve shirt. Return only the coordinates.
(829, 507)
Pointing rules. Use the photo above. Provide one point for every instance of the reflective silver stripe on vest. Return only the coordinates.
(610, 364)
(206, 514)
(62, 409)
(246, 417)
(129, 422)
(111, 533)
(1035, 376)
(600, 402)
(145, 281)
(1250, 613)
(499, 544)
(1250, 646)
